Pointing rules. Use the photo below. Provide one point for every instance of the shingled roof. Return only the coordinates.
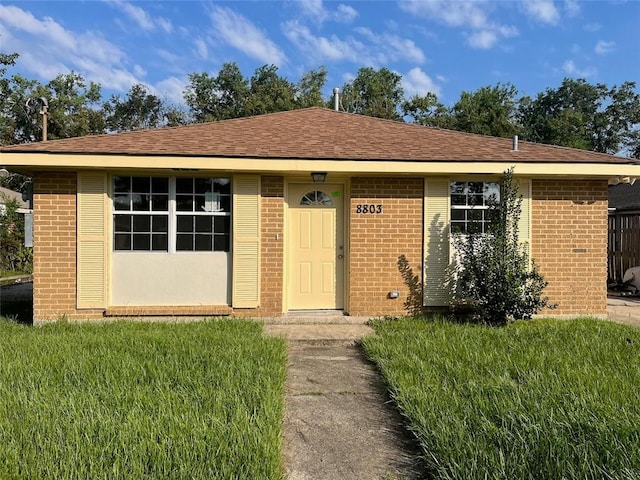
(315, 133)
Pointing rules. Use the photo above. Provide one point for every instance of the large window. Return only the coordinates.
(470, 202)
(172, 214)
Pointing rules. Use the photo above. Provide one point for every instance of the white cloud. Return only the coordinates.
(171, 88)
(604, 47)
(345, 14)
(569, 67)
(572, 7)
(141, 17)
(201, 48)
(317, 10)
(369, 49)
(470, 14)
(393, 47)
(455, 14)
(60, 50)
(329, 48)
(243, 35)
(592, 27)
(543, 11)
(417, 82)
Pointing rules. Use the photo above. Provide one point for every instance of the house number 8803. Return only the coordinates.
(371, 209)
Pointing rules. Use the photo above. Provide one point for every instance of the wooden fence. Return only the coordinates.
(624, 244)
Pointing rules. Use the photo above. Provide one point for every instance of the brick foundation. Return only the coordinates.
(378, 240)
(569, 243)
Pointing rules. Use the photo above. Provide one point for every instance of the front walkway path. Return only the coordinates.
(339, 423)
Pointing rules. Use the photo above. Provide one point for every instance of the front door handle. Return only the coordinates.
(340, 256)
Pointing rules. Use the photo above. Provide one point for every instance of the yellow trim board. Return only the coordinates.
(38, 161)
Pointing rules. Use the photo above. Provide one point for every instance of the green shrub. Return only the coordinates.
(493, 277)
(14, 256)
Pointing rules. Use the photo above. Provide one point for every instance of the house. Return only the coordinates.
(7, 195)
(299, 210)
(624, 228)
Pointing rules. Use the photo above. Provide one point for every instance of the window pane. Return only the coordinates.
(140, 184)
(458, 214)
(184, 242)
(202, 185)
(160, 223)
(122, 223)
(203, 243)
(140, 202)
(474, 227)
(222, 224)
(121, 184)
(204, 224)
(141, 223)
(184, 203)
(184, 185)
(475, 215)
(222, 185)
(159, 203)
(491, 192)
(458, 227)
(225, 204)
(185, 223)
(458, 200)
(199, 203)
(475, 188)
(122, 241)
(221, 243)
(160, 184)
(141, 241)
(121, 202)
(159, 242)
(457, 188)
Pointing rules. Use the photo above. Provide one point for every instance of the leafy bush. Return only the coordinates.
(15, 257)
(493, 275)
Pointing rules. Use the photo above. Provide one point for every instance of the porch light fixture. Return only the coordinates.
(319, 177)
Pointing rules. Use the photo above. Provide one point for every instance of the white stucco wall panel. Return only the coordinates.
(146, 279)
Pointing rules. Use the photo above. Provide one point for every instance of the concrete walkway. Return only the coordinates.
(624, 310)
(339, 422)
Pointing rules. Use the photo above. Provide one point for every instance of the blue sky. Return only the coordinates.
(441, 46)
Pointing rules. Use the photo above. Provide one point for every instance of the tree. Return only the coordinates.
(581, 115)
(492, 275)
(269, 92)
(309, 88)
(74, 107)
(487, 111)
(427, 110)
(376, 93)
(140, 109)
(15, 257)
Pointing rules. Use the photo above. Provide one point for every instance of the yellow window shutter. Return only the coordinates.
(246, 241)
(436, 242)
(524, 225)
(92, 240)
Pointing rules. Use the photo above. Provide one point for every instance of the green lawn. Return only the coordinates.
(535, 400)
(141, 400)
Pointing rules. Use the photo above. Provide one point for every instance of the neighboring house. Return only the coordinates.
(624, 229)
(7, 195)
(307, 209)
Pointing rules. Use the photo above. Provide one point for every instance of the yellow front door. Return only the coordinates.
(316, 247)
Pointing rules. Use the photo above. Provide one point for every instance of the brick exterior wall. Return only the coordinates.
(54, 248)
(569, 243)
(271, 250)
(378, 240)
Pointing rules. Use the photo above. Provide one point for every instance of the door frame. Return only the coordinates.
(342, 181)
